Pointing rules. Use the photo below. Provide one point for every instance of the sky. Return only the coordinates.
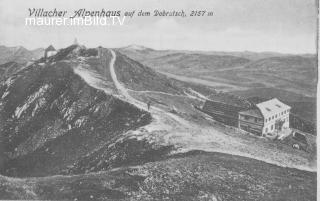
(287, 26)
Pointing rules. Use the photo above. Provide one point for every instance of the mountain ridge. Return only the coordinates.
(19, 54)
(77, 126)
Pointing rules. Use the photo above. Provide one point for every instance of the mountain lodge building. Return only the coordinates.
(267, 117)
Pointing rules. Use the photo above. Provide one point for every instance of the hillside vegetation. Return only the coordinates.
(77, 126)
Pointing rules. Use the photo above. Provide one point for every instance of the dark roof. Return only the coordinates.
(256, 100)
(251, 112)
(229, 99)
(212, 106)
(300, 137)
(50, 48)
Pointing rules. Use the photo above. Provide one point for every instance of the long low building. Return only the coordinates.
(267, 117)
(222, 112)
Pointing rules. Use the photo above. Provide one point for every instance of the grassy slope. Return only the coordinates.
(291, 72)
(192, 176)
(288, 77)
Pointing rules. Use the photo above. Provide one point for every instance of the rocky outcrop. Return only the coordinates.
(50, 118)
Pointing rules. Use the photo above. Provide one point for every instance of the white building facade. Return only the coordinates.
(49, 51)
(275, 115)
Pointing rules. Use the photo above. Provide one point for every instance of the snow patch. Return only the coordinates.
(5, 94)
(9, 82)
(39, 104)
(20, 110)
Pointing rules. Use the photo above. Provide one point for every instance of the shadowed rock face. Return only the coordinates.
(50, 118)
(52, 122)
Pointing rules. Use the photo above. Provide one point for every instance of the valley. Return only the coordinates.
(291, 78)
(77, 127)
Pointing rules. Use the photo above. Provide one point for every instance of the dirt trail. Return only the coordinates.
(167, 128)
(124, 92)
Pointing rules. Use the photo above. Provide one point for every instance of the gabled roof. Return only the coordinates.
(272, 107)
(50, 48)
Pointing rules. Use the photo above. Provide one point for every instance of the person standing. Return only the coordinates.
(149, 105)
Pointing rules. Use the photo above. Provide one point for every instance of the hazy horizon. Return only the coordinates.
(193, 50)
(283, 26)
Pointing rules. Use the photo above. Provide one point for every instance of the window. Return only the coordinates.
(246, 117)
(269, 118)
(271, 127)
(272, 117)
(281, 113)
(266, 130)
(266, 120)
(276, 115)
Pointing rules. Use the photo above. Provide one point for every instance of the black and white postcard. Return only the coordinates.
(142, 100)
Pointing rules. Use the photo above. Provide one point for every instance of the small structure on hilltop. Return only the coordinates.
(266, 117)
(75, 42)
(49, 51)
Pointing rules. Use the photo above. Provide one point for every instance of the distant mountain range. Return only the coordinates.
(233, 71)
(291, 78)
(19, 54)
(137, 50)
